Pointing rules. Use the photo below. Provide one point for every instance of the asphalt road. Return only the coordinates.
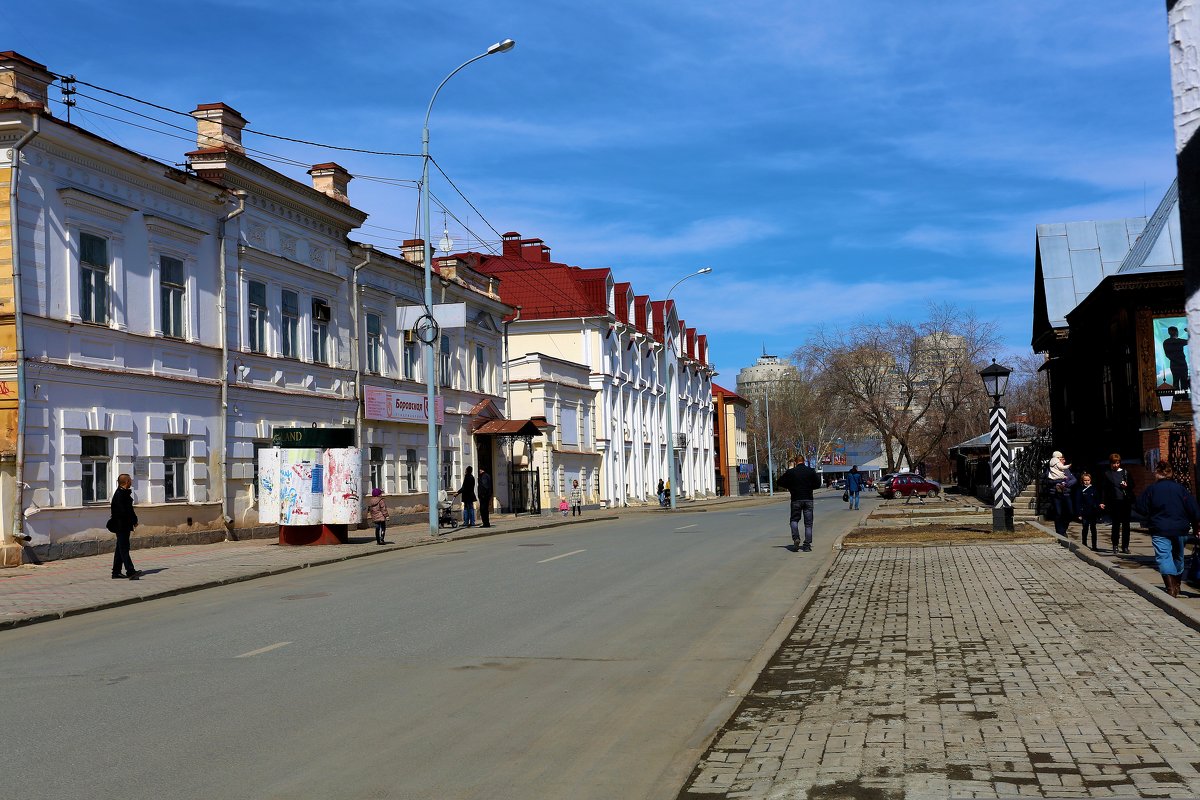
(588, 661)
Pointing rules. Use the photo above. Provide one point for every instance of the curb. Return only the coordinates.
(49, 616)
(1174, 607)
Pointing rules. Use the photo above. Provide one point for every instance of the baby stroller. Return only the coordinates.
(447, 506)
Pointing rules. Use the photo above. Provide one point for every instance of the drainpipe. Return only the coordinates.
(357, 347)
(223, 432)
(18, 526)
(507, 387)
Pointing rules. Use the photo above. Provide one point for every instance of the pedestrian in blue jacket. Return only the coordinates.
(1171, 512)
(854, 484)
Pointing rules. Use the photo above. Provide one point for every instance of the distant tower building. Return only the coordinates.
(768, 370)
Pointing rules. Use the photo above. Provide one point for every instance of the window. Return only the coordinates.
(171, 293)
(95, 469)
(480, 368)
(412, 357)
(93, 279)
(448, 470)
(375, 455)
(320, 332)
(175, 469)
(568, 426)
(256, 316)
(290, 327)
(410, 471)
(444, 363)
(374, 344)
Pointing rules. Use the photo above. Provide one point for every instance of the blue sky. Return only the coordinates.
(831, 162)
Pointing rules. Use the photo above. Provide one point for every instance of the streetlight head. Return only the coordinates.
(501, 47)
(1166, 397)
(704, 270)
(995, 380)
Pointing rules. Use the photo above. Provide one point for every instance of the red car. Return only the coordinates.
(908, 485)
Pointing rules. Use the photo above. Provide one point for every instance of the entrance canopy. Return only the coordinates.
(519, 428)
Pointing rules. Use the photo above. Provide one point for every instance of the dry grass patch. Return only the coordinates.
(943, 534)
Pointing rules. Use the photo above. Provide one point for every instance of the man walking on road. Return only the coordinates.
(800, 481)
(483, 489)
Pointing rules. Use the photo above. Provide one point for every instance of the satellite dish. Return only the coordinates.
(445, 244)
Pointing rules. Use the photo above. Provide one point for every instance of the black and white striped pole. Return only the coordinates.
(995, 381)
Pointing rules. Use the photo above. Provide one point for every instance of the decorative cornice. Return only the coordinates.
(284, 264)
(166, 227)
(89, 203)
(46, 365)
(203, 196)
(239, 171)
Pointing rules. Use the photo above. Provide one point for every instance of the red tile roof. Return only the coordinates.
(721, 391)
(548, 289)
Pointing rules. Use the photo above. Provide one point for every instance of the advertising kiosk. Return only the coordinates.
(309, 484)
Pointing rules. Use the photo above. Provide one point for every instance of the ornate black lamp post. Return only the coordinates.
(995, 382)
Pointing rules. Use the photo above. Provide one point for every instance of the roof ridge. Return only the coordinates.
(1154, 228)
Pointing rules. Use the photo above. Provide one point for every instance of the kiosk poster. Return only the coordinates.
(341, 501)
(1171, 353)
(268, 486)
(298, 506)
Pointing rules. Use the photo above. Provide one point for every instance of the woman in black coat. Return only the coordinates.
(466, 493)
(123, 521)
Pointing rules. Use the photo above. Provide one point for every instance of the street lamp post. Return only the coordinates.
(671, 399)
(770, 455)
(995, 381)
(427, 328)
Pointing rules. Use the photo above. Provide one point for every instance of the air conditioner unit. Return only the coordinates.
(680, 441)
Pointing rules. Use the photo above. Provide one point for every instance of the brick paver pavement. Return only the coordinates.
(968, 671)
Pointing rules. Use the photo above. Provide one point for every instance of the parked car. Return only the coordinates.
(840, 483)
(908, 485)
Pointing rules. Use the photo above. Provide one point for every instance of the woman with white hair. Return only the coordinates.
(1061, 480)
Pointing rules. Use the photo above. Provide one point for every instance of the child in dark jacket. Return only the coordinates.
(1087, 506)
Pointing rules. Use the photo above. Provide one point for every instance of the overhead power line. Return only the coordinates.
(269, 156)
(323, 145)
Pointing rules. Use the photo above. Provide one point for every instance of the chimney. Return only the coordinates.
(414, 251)
(24, 83)
(534, 250)
(332, 179)
(512, 244)
(218, 127)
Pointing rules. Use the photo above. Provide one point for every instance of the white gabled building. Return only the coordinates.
(631, 345)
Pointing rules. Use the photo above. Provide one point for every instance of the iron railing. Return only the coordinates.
(1030, 464)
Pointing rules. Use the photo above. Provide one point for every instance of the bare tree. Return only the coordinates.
(807, 415)
(916, 384)
(1028, 398)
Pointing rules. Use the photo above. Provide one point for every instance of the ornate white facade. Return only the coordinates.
(141, 356)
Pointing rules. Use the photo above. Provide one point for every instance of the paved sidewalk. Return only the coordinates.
(55, 589)
(968, 671)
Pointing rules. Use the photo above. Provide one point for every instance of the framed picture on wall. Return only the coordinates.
(1171, 353)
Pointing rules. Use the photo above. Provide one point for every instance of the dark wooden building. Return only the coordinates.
(1109, 318)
